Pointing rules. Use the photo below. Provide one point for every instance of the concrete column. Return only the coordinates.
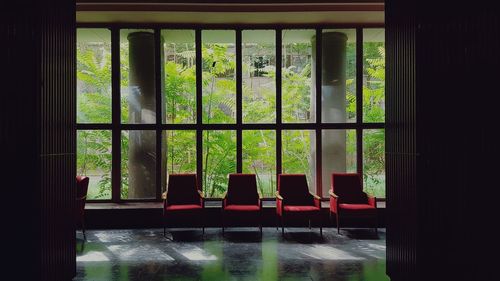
(142, 102)
(333, 102)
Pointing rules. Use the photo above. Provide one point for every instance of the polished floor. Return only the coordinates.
(241, 254)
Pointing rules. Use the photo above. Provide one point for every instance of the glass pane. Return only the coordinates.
(373, 75)
(259, 76)
(338, 148)
(338, 87)
(299, 154)
(298, 90)
(138, 164)
(219, 76)
(137, 65)
(180, 76)
(374, 162)
(93, 73)
(181, 151)
(94, 161)
(219, 160)
(259, 158)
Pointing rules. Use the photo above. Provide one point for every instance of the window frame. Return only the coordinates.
(117, 127)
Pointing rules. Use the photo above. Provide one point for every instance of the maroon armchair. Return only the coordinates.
(183, 199)
(242, 199)
(82, 186)
(293, 200)
(347, 199)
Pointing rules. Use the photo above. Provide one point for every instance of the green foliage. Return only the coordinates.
(219, 107)
(373, 111)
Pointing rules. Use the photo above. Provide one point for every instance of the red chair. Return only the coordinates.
(242, 199)
(293, 200)
(347, 199)
(82, 186)
(183, 199)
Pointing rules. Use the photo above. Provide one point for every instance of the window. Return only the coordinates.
(299, 155)
(93, 52)
(259, 158)
(298, 88)
(374, 162)
(373, 75)
(94, 161)
(180, 76)
(138, 164)
(338, 150)
(219, 76)
(137, 69)
(219, 160)
(338, 62)
(259, 76)
(152, 102)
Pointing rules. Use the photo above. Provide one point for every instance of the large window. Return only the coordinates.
(153, 102)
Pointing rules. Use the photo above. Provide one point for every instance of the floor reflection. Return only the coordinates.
(241, 254)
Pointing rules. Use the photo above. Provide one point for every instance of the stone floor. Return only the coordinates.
(241, 254)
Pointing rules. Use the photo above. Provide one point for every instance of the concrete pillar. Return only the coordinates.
(333, 102)
(142, 103)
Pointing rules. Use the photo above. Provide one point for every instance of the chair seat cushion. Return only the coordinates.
(242, 208)
(294, 208)
(184, 207)
(357, 209)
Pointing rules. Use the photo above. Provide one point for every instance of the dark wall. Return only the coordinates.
(37, 117)
(442, 145)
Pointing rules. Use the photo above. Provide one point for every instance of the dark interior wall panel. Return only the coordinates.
(57, 140)
(442, 147)
(18, 139)
(401, 150)
(38, 138)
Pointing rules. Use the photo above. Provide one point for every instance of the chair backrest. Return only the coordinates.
(82, 186)
(349, 188)
(242, 189)
(294, 189)
(182, 189)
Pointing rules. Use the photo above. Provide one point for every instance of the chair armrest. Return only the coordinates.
(334, 202)
(224, 200)
(202, 198)
(81, 198)
(278, 196)
(333, 194)
(317, 200)
(202, 195)
(260, 199)
(164, 196)
(372, 201)
(315, 196)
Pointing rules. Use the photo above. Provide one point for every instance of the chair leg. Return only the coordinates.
(222, 223)
(83, 229)
(282, 226)
(338, 222)
(309, 224)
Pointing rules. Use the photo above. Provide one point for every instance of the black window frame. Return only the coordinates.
(116, 127)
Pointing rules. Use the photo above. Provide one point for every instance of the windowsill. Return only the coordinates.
(208, 204)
